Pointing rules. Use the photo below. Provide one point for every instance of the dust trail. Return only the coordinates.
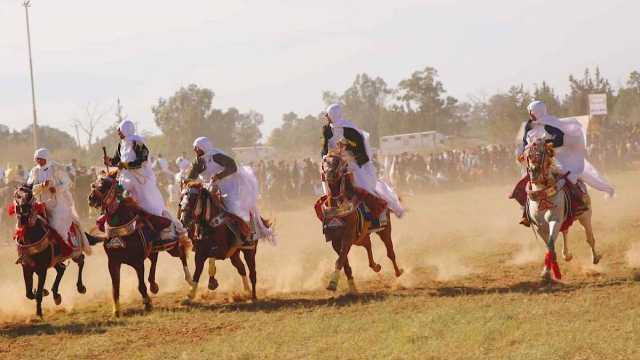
(633, 255)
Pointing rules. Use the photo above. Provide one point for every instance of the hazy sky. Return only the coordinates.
(278, 56)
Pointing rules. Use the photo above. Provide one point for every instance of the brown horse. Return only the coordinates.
(132, 235)
(343, 220)
(201, 211)
(40, 248)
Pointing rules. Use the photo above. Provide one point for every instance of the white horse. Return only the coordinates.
(548, 206)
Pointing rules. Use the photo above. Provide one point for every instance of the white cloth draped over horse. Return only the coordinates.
(51, 186)
(571, 156)
(240, 190)
(364, 176)
(140, 183)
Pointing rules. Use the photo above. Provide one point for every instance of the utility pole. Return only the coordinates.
(27, 5)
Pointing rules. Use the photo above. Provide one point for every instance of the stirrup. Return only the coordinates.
(525, 221)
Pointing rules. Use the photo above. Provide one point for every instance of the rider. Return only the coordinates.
(52, 187)
(339, 130)
(136, 174)
(238, 186)
(568, 138)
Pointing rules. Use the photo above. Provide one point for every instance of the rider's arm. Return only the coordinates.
(326, 134)
(356, 145)
(228, 163)
(197, 168)
(115, 160)
(557, 136)
(142, 155)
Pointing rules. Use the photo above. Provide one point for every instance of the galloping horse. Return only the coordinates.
(132, 235)
(344, 221)
(40, 248)
(202, 212)
(549, 206)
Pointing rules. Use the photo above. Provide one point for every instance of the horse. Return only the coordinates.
(202, 212)
(40, 247)
(132, 235)
(344, 224)
(548, 206)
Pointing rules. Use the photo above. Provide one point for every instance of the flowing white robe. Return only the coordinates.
(59, 205)
(240, 192)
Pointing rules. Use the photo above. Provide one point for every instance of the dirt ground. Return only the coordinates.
(471, 289)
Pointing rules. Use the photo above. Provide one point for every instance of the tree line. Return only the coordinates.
(418, 103)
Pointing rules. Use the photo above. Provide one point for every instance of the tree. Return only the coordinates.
(425, 95)
(577, 101)
(546, 94)
(506, 112)
(92, 116)
(627, 107)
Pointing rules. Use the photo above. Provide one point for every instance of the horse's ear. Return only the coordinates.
(113, 173)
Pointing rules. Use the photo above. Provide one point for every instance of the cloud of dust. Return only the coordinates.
(633, 255)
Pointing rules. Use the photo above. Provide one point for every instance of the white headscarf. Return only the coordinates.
(334, 111)
(42, 153)
(203, 143)
(128, 129)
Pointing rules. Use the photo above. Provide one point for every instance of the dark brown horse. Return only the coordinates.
(201, 211)
(132, 235)
(40, 248)
(344, 223)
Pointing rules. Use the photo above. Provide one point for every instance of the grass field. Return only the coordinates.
(470, 290)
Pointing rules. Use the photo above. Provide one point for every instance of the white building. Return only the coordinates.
(413, 142)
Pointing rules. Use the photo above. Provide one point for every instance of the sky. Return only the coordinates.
(278, 56)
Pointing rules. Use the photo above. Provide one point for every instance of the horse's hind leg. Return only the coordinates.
(182, 251)
(142, 287)
(79, 284)
(585, 221)
(239, 265)
(213, 283)
(385, 235)
(566, 254)
(153, 285)
(250, 259)
(372, 264)
(60, 268)
(114, 271)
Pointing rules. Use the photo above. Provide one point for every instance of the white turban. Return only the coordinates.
(203, 143)
(128, 130)
(42, 153)
(334, 111)
(538, 109)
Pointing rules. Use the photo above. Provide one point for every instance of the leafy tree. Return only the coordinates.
(506, 112)
(577, 101)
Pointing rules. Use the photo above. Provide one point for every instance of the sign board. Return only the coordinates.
(597, 104)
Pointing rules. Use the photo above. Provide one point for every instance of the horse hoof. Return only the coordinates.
(57, 298)
(333, 286)
(31, 296)
(568, 257)
(399, 272)
(117, 314)
(213, 284)
(45, 292)
(154, 288)
(82, 289)
(148, 307)
(596, 259)
(376, 267)
(546, 277)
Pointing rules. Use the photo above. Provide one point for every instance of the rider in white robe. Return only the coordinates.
(52, 186)
(571, 155)
(238, 185)
(136, 174)
(364, 174)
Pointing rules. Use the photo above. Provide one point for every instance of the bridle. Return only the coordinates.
(105, 198)
(200, 204)
(334, 170)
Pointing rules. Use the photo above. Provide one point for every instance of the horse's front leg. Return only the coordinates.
(142, 287)
(42, 276)
(250, 259)
(197, 272)
(80, 284)
(114, 271)
(183, 253)
(585, 221)
(27, 274)
(551, 261)
(60, 269)
(372, 263)
(153, 285)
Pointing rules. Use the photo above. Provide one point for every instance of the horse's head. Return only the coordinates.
(103, 191)
(199, 203)
(23, 202)
(334, 167)
(539, 160)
